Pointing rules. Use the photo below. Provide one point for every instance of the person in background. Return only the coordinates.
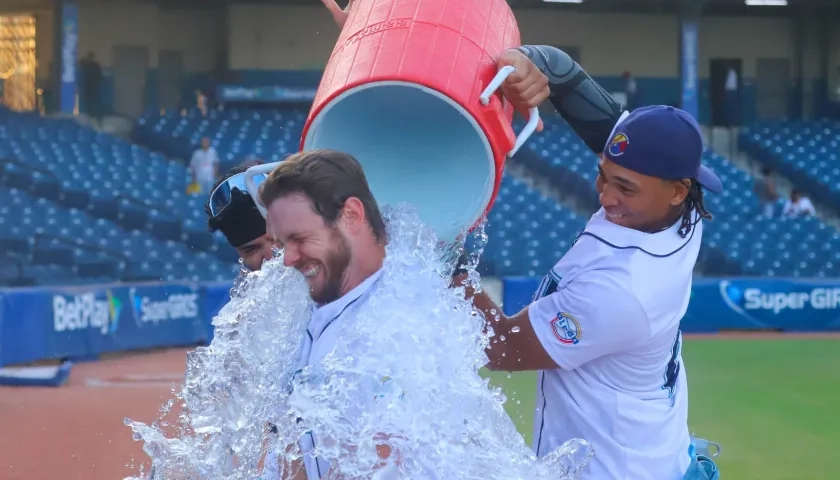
(204, 166)
(837, 88)
(798, 205)
(201, 102)
(730, 88)
(232, 211)
(91, 86)
(630, 90)
(765, 189)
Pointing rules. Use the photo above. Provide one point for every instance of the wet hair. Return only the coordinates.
(327, 178)
(693, 202)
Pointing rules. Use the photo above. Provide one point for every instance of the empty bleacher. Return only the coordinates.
(738, 241)
(806, 152)
(268, 134)
(527, 231)
(81, 206)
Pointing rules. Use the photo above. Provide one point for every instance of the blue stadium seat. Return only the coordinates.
(112, 197)
(730, 245)
(269, 134)
(804, 151)
(53, 244)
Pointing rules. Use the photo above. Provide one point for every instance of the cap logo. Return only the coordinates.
(618, 144)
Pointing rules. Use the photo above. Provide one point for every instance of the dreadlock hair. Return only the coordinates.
(693, 202)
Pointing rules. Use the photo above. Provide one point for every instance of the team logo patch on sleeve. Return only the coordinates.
(566, 328)
(618, 144)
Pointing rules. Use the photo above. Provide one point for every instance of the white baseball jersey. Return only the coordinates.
(609, 314)
(203, 164)
(320, 340)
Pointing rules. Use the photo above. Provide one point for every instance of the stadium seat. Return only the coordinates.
(125, 208)
(79, 205)
(806, 152)
(730, 246)
(53, 244)
(516, 246)
(236, 134)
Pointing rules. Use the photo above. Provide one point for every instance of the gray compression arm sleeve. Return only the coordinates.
(586, 106)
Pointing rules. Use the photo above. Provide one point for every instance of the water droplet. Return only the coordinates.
(248, 376)
(514, 329)
(502, 338)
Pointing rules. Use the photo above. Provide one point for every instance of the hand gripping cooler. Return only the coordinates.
(410, 90)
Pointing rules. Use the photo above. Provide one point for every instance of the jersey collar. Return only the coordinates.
(327, 313)
(659, 244)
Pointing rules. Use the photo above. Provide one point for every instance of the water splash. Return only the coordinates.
(404, 373)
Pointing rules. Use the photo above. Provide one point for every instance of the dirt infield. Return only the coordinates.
(77, 431)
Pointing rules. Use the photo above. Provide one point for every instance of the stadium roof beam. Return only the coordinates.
(711, 7)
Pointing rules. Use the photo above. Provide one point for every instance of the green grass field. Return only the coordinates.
(772, 404)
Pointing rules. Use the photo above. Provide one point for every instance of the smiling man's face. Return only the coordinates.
(637, 201)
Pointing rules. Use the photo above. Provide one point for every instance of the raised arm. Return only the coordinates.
(339, 14)
(586, 106)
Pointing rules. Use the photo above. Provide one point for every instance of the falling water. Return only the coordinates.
(405, 368)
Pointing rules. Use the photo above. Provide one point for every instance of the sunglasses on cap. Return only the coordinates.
(222, 195)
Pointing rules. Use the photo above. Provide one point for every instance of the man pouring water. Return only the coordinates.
(604, 328)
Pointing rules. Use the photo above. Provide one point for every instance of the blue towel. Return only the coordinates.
(702, 466)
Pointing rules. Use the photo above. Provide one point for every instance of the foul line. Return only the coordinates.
(137, 380)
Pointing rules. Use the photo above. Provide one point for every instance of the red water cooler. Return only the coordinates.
(409, 90)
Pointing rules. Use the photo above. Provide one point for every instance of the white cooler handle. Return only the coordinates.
(533, 113)
(252, 172)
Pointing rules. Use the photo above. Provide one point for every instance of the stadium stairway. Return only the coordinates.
(805, 152)
(107, 177)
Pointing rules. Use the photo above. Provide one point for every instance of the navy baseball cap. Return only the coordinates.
(662, 142)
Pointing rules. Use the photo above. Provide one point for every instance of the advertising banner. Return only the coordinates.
(793, 305)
